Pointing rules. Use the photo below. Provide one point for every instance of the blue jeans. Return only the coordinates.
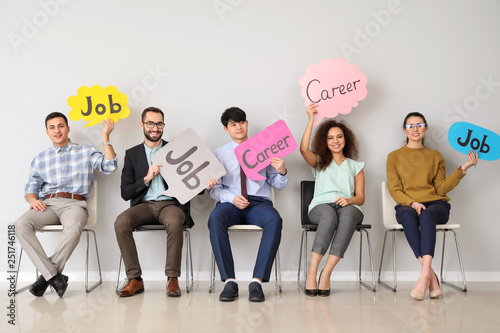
(420, 231)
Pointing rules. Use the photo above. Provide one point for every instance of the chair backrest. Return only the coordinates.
(306, 196)
(92, 207)
(388, 212)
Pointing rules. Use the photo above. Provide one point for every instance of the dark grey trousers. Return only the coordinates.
(336, 225)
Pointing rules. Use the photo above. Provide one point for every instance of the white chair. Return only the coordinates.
(392, 226)
(248, 228)
(189, 257)
(91, 222)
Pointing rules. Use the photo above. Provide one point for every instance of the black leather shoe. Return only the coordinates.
(59, 283)
(38, 288)
(255, 292)
(230, 292)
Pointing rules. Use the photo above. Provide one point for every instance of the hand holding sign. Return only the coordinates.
(96, 104)
(464, 137)
(258, 152)
(472, 161)
(334, 85)
(188, 164)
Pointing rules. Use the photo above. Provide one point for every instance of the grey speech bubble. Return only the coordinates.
(188, 163)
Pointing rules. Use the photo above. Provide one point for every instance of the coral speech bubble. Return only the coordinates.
(335, 85)
(254, 154)
(96, 104)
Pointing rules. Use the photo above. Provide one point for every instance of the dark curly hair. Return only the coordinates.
(320, 148)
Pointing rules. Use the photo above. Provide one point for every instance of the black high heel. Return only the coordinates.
(310, 292)
(322, 292)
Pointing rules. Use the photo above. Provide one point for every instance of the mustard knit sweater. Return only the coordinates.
(419, 174)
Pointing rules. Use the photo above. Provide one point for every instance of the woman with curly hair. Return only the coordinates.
(338, 192)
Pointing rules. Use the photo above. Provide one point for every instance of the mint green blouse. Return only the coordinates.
(335, 181)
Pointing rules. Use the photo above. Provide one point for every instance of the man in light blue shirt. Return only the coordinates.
(237, 207)
(58, 186)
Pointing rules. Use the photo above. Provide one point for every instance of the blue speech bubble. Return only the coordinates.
(464, 137)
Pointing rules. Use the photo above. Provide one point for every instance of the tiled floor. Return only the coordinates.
(350, 308)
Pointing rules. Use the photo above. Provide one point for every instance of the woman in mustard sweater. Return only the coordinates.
(416, 177)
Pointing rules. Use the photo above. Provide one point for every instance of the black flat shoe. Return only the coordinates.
(59, 283)
(229, 293)
(38, 288)
(322, 292)
(255, 293)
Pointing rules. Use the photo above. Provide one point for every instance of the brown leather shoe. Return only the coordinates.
(131, 288)
(173, 289)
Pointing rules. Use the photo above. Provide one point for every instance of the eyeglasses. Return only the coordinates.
(150, 124)
(411, 126)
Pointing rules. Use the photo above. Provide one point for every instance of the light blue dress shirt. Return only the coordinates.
(156, 186)
(230, 184)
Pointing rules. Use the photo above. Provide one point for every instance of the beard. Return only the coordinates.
(148, 136)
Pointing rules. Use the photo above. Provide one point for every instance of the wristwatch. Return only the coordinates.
(109, 143)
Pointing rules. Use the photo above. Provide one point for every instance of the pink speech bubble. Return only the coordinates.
(335, 85)
(254, 154)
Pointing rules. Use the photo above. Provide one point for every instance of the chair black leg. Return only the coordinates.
(371, 287)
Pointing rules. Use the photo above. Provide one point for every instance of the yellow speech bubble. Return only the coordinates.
(96, 104)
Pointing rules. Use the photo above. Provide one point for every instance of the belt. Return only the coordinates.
(65, 195)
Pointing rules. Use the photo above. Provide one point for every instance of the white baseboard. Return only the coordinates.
(448, 276)
(285, 276)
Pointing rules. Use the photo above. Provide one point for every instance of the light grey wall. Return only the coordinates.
(195, 58)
